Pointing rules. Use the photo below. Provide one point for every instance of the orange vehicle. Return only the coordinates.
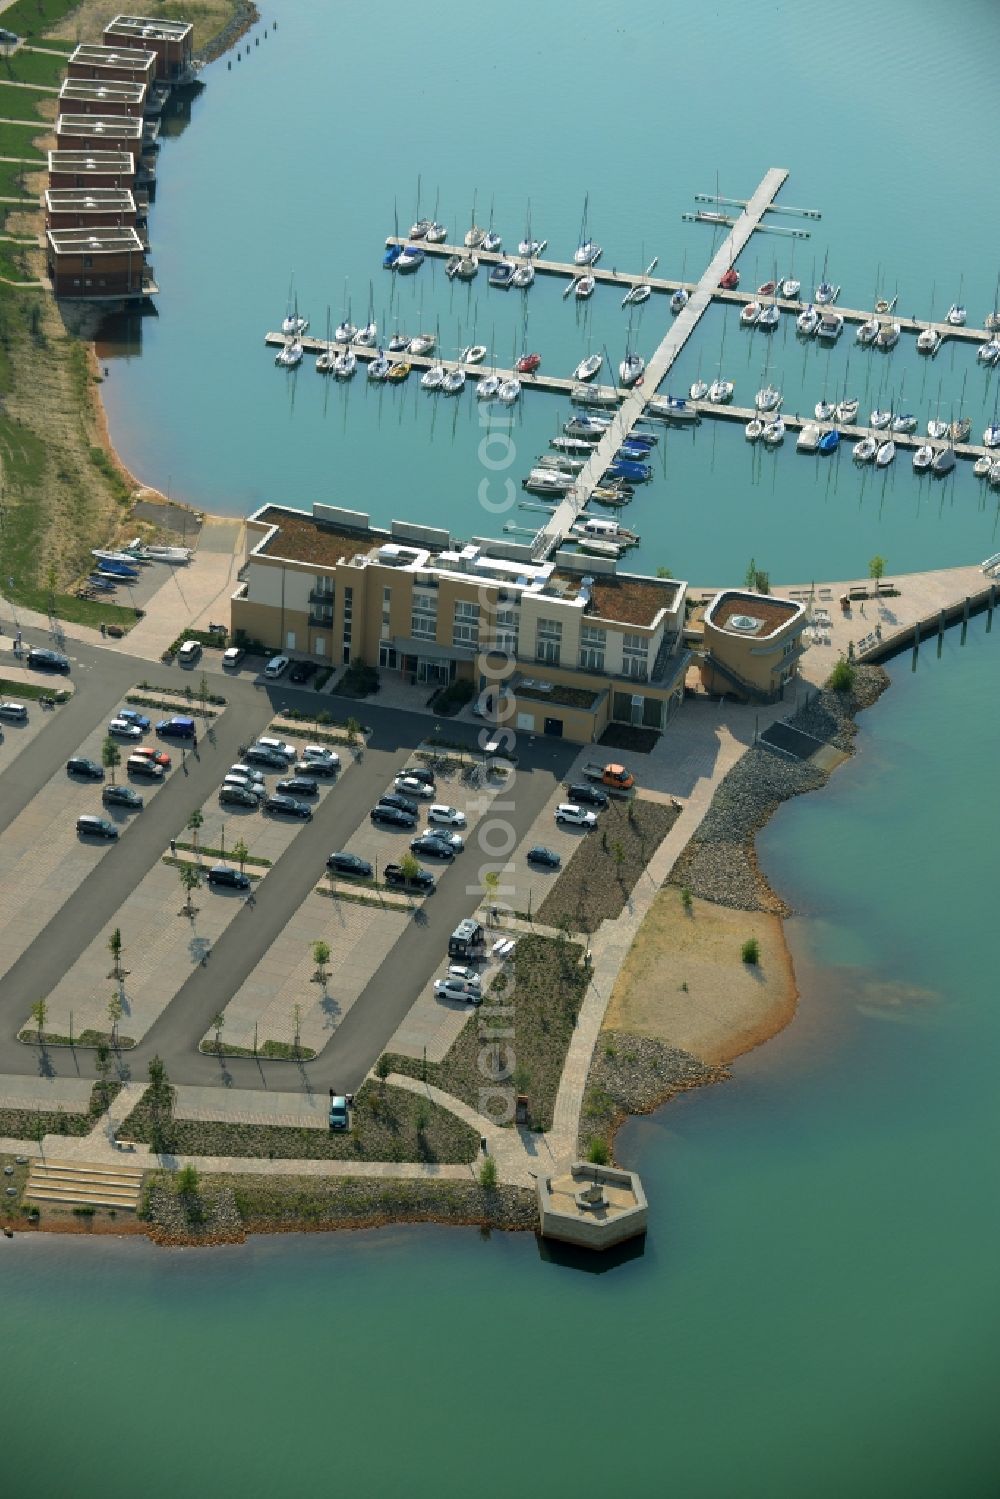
(615, 777)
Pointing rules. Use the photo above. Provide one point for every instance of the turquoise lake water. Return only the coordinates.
(816, 1310)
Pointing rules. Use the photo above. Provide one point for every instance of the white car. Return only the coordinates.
(277, 666)
(578, 817)
(247, 773)
(279, 746)
(457, 989)
(233, 656)
(465, 974)
(410, 786)
(256, 788)
(450, 816)
(320, 752)
(456, 840)
(122, 729)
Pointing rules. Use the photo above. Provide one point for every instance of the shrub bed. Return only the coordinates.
(606, 865)
(28, 1124)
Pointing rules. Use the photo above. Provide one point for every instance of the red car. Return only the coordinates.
(150, 752)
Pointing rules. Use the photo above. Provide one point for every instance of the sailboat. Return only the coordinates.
(528, 246)
(292, 324)
(345, 331)
(587, 252)
(367, 336)
(474, 236)
(643, 291)
(324, 361)
(492, 241)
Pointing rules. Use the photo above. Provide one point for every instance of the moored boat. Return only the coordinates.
(502, 274)
(770, 316)
(453, 382)
(830, 441)
(807, 321)
(509, 392)
(944, 461)
(411, 259)
(730, 279)
(367, 336)
(956, 315)
(721, 391)
(437, 233)
(888, 335)
(750, 314)
(379, 367)
(523, 276)
(923, 457)
(790, 289)
(423, 343)
(595, 395)
(631, 369)
(398, 343)
(488, 388)
(290, 356)
(467, 268)
(885, 453)
(831, 326)
(345, 364)
(982, 465)
(390, 257)
(528, 364)
(399, 371)
(679, 300)
(880, 419)
(773, 434)
(937, 429)
(928, 341)
(433, 379)
(991, 437)
(588, 368)
(492, 242)
(698, 389)
(753, 429)
(847, 411)
(808, 438)
(768, 398)
(960, 428)
(473, 354)
(865, 450)
(905, 423)
(584, 287)
(989, 352)
(867, 331)
(824, 410)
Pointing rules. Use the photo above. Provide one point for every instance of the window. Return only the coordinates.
(592, 643)
(548, 641)
(387, 655)
(423, 626)
(635, 657)
(324, 585)
(465, 630)
(348, 604)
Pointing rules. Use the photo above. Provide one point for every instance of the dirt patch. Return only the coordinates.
(626, 736)
(607, 864)
(685, 983)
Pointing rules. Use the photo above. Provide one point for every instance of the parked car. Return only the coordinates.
(131, 716)
(450, 816)
(321, 752)
(289, 806)
(237, 796)
(325, 768)
(585, 795)
(454, 841)
(279, 746)
(177, 727)
(232, 879)
(150, 752)
(276, 667)
(468, 940)
(95, 827)
(465, 974)
(143, 765)
(431, 847)
(569, 814)
(121, 796)
(233, 656)
(302, 671)
(392, 817)
(421, 879)
(413, 787)
(45, 660)
(87, 770)
(268, 758)
(457, 989)
(246, 773)
(338, 1115)
(254, 789)
(298, 786)
(349, 864)
(397, 799)
(189, 653)
(421, 773)
(546, 857)
(120, 728)
(14, 712)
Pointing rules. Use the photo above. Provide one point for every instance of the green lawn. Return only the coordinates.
(33, 67)
(32, 18)
(12, 181)
(21, 103)
(16, 140)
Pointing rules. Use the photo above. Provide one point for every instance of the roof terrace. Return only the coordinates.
(751, 616)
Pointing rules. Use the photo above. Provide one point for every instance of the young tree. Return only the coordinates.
(383, 1067)
(111, 756)
(297, 1023)
(488, 1173)
(876, 571)
(321, 956)
(114, 1012)
(190, 881)
(187, 1181)
(664, 572)
(409, 865)
(750, 951)
(353, 729)
(195, 823)
(240, 853)
(618, 854)
(115, 949)
(39, 1011)
(218, 1022)
(203, 695)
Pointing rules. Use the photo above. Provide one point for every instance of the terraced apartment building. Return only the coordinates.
(574, 643)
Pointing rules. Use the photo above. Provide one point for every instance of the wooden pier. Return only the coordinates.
(849, 434)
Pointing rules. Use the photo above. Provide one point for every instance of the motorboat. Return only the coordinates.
(570, 445)
(436, 234)
(991, 437)
(344, 332)
(646, 440)
(956, 315)
(420, 228)
(509, 392)
(880, 419)
(847, 411)
(790, 289)
(824, 410)
(290, 356)
(473, 354)
(125, 562)
(768, 399)
(928, 341)
(584, 287)
(502, 274)
(994, 475)
(153, 553)
(528, 364)
(467, 268)
(433, 379)
(674, 408)
(937, 430)
(982, 466)
(989, 352)
(398, 343)
(411, 259)
(345, 364)
(488, 388)
(423, 344)
(749, 314)
(679, 300)
(905, 423)
(593, 427)
(888, 335)
(618, 494)
(587, 368)
(867, 331)
(807, 321)
(831, 326)
(390, 257)
(547, 481)
(587, 253)
(698, 390)
(830, 441)
(631, 452)
(959, 429)
(561, 464)
(808, 439)
(773, 434)
(631, 369)
(474, 237)
(636, 473)
(492, 242)
(399, 371)
(523, 276)
(885, 453)
(379, 367)
(944, 461)
(730, 280)
(594, 395)
(923, 457)
(865, 450)
(721, 391)
(770, 317)
(825, 292)
(753, 429)
(367, 336)
(453, 382)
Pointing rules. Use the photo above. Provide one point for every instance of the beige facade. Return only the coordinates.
(574, 649)
(752, 644)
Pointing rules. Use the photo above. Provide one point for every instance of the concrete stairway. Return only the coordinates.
(80, 1184)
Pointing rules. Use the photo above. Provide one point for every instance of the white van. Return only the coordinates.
(189, 653)
(276, 667)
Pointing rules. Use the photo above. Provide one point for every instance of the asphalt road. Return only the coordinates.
(101, 678)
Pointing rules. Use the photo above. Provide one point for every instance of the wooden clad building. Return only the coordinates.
(91, 169)
(91, 96)
(112, 64)
(77, 132)
(90, 208)
(98, 265)
(172, 41)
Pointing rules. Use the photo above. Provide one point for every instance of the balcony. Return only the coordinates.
(321, 596)
(320, 621)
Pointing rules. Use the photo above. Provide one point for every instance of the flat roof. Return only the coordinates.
(97, 56)
(631, 600)
(102, 199)
(101, 90)
(300, 538)
(94, 241)
(106, 127)
(150, 26)
(762, 613)
(91, 161)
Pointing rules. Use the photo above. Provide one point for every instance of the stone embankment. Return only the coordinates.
(720, 862)
(632, 1074)
(244, 16)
